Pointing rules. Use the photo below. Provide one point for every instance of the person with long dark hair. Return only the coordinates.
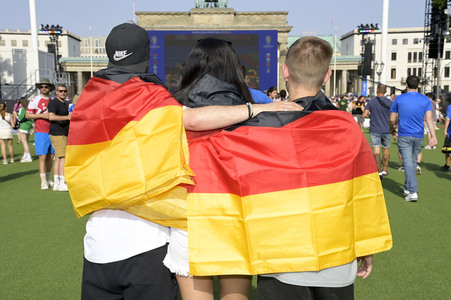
(212, 76)
(213, 63)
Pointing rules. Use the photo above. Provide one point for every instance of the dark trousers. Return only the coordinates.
(269, 288)
(139, 277)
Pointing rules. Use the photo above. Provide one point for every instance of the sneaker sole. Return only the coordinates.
(412, 200)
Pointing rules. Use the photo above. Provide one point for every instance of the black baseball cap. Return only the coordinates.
(128, 47)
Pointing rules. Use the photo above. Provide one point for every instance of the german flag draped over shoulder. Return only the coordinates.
(127, 150)
(303, 197)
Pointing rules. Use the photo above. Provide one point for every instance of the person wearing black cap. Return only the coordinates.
(123, 252)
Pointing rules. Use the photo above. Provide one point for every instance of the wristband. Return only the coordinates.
(250, 110)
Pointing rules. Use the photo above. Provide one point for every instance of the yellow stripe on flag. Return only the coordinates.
(306, 229)
(144, 162)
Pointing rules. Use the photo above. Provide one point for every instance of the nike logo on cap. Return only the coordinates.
(120, 55)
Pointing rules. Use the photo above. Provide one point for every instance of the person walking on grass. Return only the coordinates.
(379, 107)
(407, 113)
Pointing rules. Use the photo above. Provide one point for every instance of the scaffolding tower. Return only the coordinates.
(428, 78)
(436, 29)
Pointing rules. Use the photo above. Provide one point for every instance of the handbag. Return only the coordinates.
(447, 146)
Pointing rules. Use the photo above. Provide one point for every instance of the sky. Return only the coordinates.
(306, 17)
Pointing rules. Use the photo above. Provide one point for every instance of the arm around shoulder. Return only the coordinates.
(215, 117)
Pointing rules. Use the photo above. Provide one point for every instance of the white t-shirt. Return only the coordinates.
(114, 235)
(339, 276)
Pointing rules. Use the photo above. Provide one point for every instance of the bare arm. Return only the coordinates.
(393, 122)
(365, 113)
(214, 117)
(446, 127)
(54, 117)
(37, 116)
(430, 123)
(12, 120)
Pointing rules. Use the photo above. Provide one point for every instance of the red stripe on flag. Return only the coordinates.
(321, 148)
(105, 107)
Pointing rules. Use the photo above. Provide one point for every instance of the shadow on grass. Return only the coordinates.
(17, 175)
(436, 169)
(392, 186)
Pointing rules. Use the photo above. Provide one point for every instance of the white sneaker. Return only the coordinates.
(56, 187)
(401, 169)
(26, 159)
(12, 160)
(5, 162)
(50, 183)
(427, 147)
(62, 187)
(44, 185)
(412, 197)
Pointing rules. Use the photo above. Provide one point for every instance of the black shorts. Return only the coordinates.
(269, 288)
(139, 277)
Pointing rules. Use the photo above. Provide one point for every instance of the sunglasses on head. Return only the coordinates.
(44, 87)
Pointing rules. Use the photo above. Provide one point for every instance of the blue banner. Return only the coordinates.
(364, 86)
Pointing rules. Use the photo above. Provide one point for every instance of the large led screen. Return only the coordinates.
(257, 51)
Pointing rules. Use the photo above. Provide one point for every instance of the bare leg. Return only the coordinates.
(377, 157)
(60, 166)
(10, 147)
(42, 163)
(385, 157)
(24, 138)
(56, 167)
(196, 288)
(235, 287)
(48, 163)
(3, 146)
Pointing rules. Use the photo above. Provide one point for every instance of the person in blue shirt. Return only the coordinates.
(447, 133)
(258, 96)
(408, 111)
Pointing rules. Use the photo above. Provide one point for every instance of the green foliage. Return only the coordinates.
(440, 4)
(41, 240)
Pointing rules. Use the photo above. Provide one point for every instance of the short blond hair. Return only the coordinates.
(308, 61)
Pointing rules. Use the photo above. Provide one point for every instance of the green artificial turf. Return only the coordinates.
(41, 240)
